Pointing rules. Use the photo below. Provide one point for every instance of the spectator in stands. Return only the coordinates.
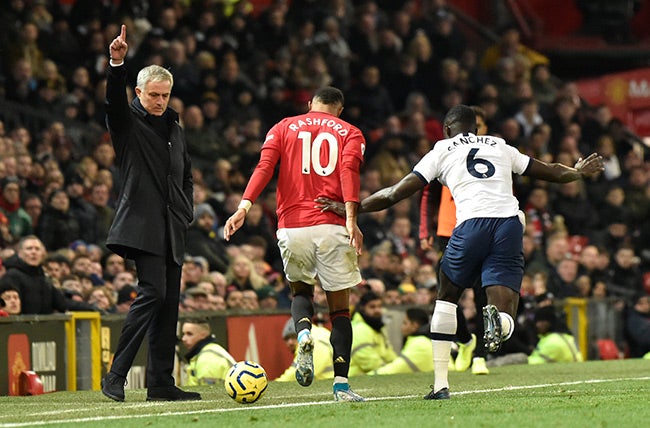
(99, 198)
(82, 210)
(112, 265)
(207, 361)
(10, 294)
(637, 326)
(37, 294)
(626, 281)
(102, 298)
(57, 226)
(33, 206)
(562, 282)
(371, 348)
(196, 299)
(267, 298)
(20, 223)
(416, 355)
(368, 103)
(555, 344)
(125, 298)
(323, 368)
(636, 195)
(203, 143)
(510, 46)
(571, 202)
(234, 298)
(202, 239)
(242, 275)
(251, 301)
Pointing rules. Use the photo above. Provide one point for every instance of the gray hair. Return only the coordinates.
(153, 73)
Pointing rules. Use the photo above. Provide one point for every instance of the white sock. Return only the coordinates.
(340, 379)
(443, 321)
(301, 333)
(507, 325)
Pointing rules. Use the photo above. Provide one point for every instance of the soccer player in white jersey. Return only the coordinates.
(320, 155)
(487, 239)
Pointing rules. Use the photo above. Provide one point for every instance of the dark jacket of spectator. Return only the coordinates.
(37, 294)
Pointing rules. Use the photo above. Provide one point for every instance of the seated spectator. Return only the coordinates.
(323, 368)
(235, 299)
(202, 239)
(416, 355)
(125, 298)
(20, 223)
(37, 294)
(124, 278)
(10, 296)
(267, 297)
(242, 275)
(102, 298)
(371, 348)
(555, 345)
(637, 326)
(57, 227)
(250, 300)
(196, 299)
(72, 288)
(207, 361)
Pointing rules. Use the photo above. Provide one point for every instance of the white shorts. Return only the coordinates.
(321, 251)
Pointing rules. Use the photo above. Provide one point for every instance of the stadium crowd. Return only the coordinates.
(238, 71)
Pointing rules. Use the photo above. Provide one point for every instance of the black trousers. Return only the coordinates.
(154, 313)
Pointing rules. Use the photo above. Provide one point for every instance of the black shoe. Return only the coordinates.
(443, 394)
(113, 386)
(170, 393)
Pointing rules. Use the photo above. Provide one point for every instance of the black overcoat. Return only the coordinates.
(154, 206)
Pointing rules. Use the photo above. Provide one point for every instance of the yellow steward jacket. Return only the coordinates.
(370, 348)
(323, 366)
(209, 365)
(416, 357)
(555, 348)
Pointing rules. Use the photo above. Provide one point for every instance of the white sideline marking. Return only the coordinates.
(276, 406)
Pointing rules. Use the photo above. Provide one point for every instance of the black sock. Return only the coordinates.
(341, 340)
(302, 311)
(462, 332)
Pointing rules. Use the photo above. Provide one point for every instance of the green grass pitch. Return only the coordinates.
(590, 394)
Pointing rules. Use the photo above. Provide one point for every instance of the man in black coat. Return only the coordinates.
(37, 293)
(152, 215)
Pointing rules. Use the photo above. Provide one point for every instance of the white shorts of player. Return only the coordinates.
(322, 252)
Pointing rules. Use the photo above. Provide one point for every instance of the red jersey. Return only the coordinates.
(319, 155)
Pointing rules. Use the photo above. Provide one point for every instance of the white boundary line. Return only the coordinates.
(277, 406)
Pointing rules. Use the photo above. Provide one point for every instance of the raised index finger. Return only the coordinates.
(123, 33)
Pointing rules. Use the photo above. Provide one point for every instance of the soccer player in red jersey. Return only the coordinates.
(320, 156)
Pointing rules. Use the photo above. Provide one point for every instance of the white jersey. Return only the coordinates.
(478, 171)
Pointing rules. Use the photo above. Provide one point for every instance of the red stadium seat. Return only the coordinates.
(608, 349)
(29, 383)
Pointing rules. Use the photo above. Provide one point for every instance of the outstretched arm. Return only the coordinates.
(559, 173)
(389, 196)
(379, 200)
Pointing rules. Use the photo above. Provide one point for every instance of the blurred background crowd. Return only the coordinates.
(237, 71)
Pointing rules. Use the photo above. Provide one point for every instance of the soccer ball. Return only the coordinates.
(246, 382)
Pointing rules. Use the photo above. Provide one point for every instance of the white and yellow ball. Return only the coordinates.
(246, 382)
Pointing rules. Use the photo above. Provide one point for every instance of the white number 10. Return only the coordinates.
(311, 153)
